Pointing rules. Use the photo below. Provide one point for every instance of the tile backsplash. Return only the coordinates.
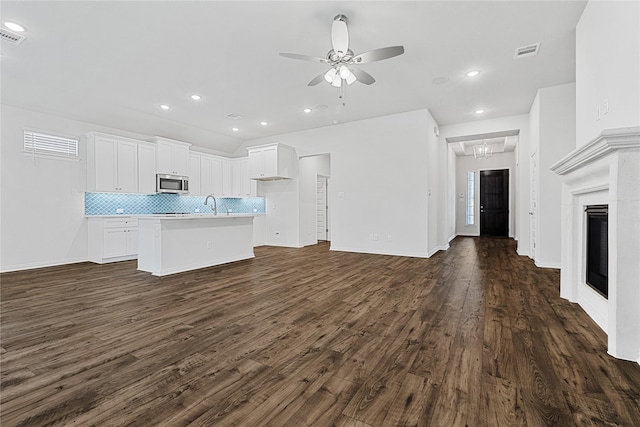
(142, 204)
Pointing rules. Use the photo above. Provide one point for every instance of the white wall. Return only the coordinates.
(310, 168)
(552, 135)
(42, 218)
(466, 164)
(282, 204)
(520, 122)
(379, 181)
(607, 66)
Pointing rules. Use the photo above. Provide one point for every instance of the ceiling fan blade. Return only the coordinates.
(303, 57)
(316, 80)
(378, 54)
(363, 76)
(340, 35)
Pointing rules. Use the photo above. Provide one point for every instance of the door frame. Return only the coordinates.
(328, 204)
(510, 229)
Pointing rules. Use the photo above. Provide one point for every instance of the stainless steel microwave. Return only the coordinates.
(172, 184)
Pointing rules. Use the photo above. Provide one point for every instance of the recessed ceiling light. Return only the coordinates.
(264, 123)
(14, 27)
(307, 110)
(473, 73)
(480, 111)
(235, 129)
(165, 107)
(195, 97)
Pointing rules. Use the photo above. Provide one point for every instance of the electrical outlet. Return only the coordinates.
(208, 244)
(119, 210)
(277, 234)
(605, 106)
(197, 210)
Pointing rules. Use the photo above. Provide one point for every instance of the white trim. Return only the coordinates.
(608, 141)
(593, 189)
(33, 265)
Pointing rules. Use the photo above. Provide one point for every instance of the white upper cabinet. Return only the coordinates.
(207, 175)
(226, 178)
(195, 187)
(173, 156)
(273, 161)
(112, 164)
(146, 168)
(242, 186)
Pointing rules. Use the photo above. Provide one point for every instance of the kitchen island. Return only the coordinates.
(171, 244)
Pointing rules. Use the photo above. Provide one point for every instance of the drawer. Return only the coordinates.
(127, 222)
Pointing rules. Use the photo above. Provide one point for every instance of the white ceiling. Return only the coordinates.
(113, 63)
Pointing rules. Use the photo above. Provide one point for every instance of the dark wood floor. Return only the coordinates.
(473, 336)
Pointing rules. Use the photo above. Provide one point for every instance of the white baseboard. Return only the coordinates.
(282, 245)
(379, 252)
(438, 249)
(543, 264)
(31, 266)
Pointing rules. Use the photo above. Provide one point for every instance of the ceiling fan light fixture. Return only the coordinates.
(351, 78)
(344, 72)
(330, 75)
(337, 82)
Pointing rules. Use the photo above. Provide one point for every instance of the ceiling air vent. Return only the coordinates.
(531, 50)
(232, 116)
(10, 37)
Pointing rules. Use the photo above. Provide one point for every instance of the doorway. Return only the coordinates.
(494, 203)
(322, 227)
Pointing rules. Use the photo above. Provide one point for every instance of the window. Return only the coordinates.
(41, 143)
(471, 198)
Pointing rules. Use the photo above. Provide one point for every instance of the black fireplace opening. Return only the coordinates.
(598, 248)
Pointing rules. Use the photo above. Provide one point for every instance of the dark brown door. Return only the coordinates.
(494, 203)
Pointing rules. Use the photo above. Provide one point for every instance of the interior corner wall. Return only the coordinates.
(436, 189)
(378, 191)
(607, 68)
(520, 122)
(282, 204)
(556, 138)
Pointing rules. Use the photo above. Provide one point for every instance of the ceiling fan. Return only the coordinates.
(342, 60)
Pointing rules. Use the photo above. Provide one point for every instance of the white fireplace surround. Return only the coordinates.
(605, 171)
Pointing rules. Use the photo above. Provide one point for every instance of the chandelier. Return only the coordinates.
(482, 150)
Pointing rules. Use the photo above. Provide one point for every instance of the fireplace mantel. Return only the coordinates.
(605, 171)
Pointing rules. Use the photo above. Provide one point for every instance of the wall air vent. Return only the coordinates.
(10, 37)
(531, 50)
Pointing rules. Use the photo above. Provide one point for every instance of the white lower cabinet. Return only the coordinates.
(113, 239)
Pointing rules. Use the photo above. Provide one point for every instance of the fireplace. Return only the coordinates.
(598, 248)
(601, 248)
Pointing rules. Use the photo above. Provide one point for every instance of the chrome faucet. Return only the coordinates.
(214, 207)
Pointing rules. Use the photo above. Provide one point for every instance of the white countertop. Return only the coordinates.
(183, 216)
(195, 216)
